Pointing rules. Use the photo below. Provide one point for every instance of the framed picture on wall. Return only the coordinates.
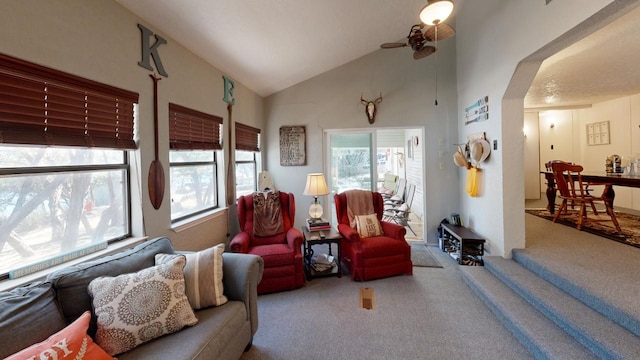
(293, 144)
(598, 133)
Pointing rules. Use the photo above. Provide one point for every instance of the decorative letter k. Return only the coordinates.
(152, 51)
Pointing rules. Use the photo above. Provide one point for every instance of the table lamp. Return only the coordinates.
(316, 186)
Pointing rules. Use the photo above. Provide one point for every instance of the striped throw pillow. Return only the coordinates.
(202, 276)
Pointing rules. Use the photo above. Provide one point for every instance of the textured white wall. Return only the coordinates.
(493, 39)
(332, 101)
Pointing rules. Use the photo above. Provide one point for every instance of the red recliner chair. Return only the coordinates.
(281, 252)
(373, 257)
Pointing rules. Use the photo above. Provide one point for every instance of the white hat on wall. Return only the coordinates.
(479, 150)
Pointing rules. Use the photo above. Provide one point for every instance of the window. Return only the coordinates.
(194, 141)
(63, 166)
(247, 146)
(246, 182)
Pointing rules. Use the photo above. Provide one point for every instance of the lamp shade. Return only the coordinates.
(436, 11)
(316, 185)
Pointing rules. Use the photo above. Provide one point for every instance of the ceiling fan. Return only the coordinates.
(418, 39)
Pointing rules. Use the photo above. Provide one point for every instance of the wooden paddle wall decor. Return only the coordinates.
(156, 172)
(231, 176)
(229, 86)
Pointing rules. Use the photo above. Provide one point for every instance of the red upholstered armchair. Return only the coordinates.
(375, 257)
(280, 248)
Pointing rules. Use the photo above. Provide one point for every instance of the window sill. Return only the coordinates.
(41, 275)
(183, 225)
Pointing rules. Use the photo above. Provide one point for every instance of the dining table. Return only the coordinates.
(609, 180)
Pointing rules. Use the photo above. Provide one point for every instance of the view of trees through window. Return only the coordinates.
(57, 201)
(193, 182)
(246, 173)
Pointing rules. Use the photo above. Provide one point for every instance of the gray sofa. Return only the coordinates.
(32, 313)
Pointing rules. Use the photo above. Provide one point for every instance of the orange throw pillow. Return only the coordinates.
(71, 342)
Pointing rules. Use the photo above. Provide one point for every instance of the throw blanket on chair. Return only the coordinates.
(267, 215)
(359, 202)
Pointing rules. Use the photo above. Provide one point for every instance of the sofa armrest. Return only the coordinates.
(242, 273)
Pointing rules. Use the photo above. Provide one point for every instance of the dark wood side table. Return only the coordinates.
(312, 238)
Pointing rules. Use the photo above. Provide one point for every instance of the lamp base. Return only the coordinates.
(316, 211)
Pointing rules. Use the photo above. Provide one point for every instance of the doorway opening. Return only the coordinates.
(360, 158)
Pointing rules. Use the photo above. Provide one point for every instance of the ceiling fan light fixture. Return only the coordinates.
(436, 11)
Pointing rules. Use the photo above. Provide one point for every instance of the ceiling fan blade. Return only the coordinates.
(445, 31)
(424, 52)
(393, 45)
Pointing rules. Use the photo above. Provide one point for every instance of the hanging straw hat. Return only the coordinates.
(479, 150)
(459, 159)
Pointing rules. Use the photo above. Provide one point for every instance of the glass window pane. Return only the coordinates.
(245, 178)
(350, 162)
(23, 156)
(190, 156)
(44, 217)
(245, 155)
(193, 189)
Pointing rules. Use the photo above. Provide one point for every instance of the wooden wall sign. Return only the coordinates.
(478, 111)
(293, 146)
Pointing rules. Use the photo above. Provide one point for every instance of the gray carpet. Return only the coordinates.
(430, 315)
(421, 255)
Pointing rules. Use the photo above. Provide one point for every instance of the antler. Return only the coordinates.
(362, 100)
(379, 99)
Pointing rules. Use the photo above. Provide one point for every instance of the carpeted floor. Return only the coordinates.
(421, 255)
(630, 225)
(430, 315)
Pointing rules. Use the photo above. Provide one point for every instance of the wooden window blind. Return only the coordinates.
(193, 130)
(247, 138)
(43, 106)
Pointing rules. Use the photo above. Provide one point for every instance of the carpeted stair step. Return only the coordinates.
(538, 334)
(599, 334)
(599, 295)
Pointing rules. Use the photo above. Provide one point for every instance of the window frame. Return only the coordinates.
(193, 130)
(216, 192)
(41, 108)
(254, 161)
(123, 166)
(247, 140)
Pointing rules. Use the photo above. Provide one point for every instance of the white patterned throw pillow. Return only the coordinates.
(202, 276)
(134, 308)
(368, 225)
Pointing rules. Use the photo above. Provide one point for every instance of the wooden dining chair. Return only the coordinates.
(548, 166)
(572, 189)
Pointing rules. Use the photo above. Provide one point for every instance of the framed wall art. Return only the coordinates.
(293, 144)
(598, 133)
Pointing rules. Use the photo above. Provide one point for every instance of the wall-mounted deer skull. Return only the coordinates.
(370, 107)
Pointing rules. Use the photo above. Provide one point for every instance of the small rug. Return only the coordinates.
(629, 225)
(421, 256)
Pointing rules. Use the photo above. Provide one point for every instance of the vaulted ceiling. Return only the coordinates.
(271, 45)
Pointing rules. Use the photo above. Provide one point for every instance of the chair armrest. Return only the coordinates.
(393, 230)
(348, 233)
(240, 243)
(242, 273)
(294, 239)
